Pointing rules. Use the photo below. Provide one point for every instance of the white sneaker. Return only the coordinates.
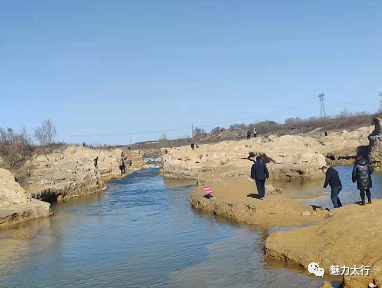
(262, 198)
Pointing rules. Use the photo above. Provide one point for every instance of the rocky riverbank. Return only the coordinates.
(58, 175)
(72, 172)
(341, 237)
(348, 236)
(15, 205)
(287, 157)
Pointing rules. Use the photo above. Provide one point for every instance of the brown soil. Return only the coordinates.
(237, 199)
(351, 236)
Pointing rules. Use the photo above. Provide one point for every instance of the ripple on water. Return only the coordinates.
(140, 232)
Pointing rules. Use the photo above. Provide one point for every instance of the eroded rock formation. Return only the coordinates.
(72, 172)
(14, 204)
(375, 152)
(287, 157)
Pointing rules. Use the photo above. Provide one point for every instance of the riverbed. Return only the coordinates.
(140, 232)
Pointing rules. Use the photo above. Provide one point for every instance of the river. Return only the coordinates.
(143, 232)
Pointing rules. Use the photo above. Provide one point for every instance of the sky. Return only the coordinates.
(99, 69)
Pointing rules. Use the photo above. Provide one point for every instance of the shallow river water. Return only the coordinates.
(142, 232)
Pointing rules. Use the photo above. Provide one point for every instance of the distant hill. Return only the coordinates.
(312, 126)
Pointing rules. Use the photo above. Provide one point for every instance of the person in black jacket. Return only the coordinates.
(362, 174)
(334, 181)
(259, 172)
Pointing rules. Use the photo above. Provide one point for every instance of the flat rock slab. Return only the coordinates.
(351, 235)
(237, 199)
(17, 213)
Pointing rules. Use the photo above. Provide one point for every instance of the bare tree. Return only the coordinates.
(237, 126)
(199, 131)
(45, 134)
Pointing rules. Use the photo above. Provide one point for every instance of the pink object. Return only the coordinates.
(208, 190)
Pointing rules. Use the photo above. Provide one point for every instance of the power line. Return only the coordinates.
(210, 124)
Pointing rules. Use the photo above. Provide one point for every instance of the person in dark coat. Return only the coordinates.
(362, 174)
(333, 179)
(259, 173)
(248, 135)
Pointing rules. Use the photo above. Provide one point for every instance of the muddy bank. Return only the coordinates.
(351, 235)
(236, 199)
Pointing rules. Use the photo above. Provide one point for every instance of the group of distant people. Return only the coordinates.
(122, 164)
(361, 174)
(249, 133)
(193, 146)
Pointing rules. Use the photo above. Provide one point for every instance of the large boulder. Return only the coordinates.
(375, 144)
(347, 237)
(10, 191)
(15, 206)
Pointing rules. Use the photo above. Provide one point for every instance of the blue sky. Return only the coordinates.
(103, 67)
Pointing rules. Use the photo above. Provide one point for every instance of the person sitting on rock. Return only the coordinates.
(259, 173)
(333, 179)
(362, 174)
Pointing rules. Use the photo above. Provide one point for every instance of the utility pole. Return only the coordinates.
(130, 137)
(192, 131)
(380, 105)
(322, 110)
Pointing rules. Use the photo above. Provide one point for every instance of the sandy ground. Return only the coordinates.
(238, 199)
(352, 235)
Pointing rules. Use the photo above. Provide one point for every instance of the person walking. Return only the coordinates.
(333, 179)
(248, 135)
(362, 174)
(259, 173)
(254, 132)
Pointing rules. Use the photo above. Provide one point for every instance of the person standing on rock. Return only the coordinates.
(260, 173)
(254, 132)
(362, 174)
(96, 162)
(248, 135)
(333, 179)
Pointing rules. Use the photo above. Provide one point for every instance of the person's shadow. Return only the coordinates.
(256, 196)
(315, 207)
